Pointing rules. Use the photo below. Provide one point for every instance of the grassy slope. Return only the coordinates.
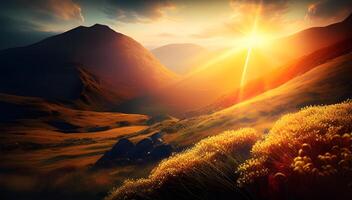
(306, 155)
(325, 84)
(46, 148)
(47, 136)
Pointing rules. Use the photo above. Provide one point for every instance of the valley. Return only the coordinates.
(91, 113)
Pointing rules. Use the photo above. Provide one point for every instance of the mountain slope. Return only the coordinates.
(325, 84)
(279, 76)
(51, 68)
(315, 38)
(181, 58)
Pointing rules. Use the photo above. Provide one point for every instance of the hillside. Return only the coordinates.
(181, 58)
(315, 38)
(325, 84)
(305, 155)
(279, 76)
(118, 67)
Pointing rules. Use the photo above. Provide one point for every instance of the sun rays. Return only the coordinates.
(252, 40)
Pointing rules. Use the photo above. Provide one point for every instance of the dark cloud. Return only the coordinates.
(60, 9)
(137, 10)
(24, 22)
(16, 33)
(327, 9)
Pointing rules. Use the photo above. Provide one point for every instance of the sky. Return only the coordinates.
(210, 23)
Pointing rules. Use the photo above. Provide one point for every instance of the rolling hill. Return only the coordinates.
(181, 58)
(327, 83)
(279, 76)
(86, 64)
(315, 38)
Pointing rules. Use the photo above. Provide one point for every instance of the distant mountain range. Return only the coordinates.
(94, 67)
(182, 58)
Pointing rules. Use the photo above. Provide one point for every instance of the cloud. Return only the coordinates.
(137, 10)
(328, 10)
(65, 9)
(16, 33)
(52, 9)
(244, 14)
(24, 22)
(166, 35)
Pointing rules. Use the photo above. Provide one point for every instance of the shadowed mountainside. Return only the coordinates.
(52, 68)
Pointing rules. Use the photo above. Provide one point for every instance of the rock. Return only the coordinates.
(122, 148)
(125, 152)
(142, 149)
(161, 151)
(119, 154)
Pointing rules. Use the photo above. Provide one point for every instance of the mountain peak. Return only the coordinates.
(95, 27)
(100, 26)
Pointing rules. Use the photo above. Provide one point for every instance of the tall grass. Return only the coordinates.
(305, 155)
(206, 171)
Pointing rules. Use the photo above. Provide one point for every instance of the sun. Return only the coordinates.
(255, 39)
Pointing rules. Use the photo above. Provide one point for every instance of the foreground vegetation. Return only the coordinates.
(306, 155)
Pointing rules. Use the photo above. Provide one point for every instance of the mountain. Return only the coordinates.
(312, 39)
(181, 58)
(84, 64)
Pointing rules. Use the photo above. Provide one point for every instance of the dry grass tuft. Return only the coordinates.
(205, 171)
(306, 154)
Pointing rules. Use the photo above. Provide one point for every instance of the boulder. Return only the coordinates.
(161, 151)
(143, 149)
(122, 148)
(120, 152)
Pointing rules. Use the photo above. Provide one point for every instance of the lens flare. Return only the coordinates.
(252, 40)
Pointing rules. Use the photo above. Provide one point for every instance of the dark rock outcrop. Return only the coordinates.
(161, 151)
(143, 149)
(125, 152)
(120, 152)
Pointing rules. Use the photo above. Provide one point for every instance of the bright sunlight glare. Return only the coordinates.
(252, 40)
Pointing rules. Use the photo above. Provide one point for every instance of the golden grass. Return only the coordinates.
(308, 152)
(306, 155)
(209, 164)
